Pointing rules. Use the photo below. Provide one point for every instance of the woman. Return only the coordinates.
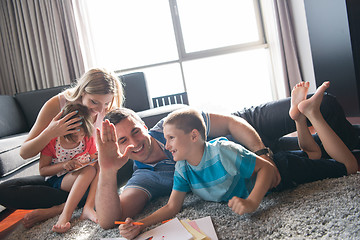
(98, 90)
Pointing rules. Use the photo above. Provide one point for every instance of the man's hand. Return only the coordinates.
(242, 206)
(129, 230)
(108, 149)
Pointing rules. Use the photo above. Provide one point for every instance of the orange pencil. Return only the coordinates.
(135, 223)
(165, 221)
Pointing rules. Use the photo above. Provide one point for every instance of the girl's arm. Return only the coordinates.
(168, 211)
(47, 126)
(48, 169)
(264, 181)
(93, 156)
(45, 167)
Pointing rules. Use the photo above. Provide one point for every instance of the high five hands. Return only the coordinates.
(109, 155)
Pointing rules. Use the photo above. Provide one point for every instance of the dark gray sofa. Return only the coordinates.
(19, 112)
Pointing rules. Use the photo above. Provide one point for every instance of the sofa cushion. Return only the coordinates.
(12, 120)
(10, 159)
(31, 102)
(135, 91)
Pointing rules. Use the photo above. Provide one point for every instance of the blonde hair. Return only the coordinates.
(82, 112)
(187, 119)
(97, 81)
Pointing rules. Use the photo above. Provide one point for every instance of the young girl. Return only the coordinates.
(61, 158)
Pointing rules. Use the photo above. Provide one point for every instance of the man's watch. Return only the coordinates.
(265, 151)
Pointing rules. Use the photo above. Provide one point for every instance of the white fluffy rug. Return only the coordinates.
(328, 209)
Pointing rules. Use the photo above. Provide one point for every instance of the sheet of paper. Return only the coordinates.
(174, 230)
(171, 230)
(207, 227)
(197, 235)
(113, 239)
(196, 227)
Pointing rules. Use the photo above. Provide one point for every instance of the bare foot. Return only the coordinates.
(39, 215)
(89, 213)
(312, 105)
(62, 224)
(298, 94)
(61, 228)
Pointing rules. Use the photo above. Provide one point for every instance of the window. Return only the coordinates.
(213, 24)
(132, 33)
(213, 49)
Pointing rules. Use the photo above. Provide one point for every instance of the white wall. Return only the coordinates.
(298, 15)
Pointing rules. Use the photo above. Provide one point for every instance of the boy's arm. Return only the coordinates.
(168, 211)
(242, 132)
(264, 181)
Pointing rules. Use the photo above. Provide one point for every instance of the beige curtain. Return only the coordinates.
(280, 36)
(39, 46)
(288, 44)
(85, 35)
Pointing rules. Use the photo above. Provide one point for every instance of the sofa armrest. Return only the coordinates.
(10, 160)
(11, 117)
(153, 115)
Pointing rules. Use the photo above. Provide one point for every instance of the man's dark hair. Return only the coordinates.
(117, 115)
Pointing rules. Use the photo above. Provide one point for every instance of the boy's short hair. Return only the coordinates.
(187, 119)
(83, 112)
(118, 114)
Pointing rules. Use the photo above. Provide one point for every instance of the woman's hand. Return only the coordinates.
(129, 230)
(63, 126)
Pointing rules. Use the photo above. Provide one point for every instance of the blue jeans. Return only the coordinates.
(55, 181)
(154, 182)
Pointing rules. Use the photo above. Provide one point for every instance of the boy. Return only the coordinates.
(225, 171)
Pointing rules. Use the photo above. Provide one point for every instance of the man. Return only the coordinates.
(124, 136)
(271, 120)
